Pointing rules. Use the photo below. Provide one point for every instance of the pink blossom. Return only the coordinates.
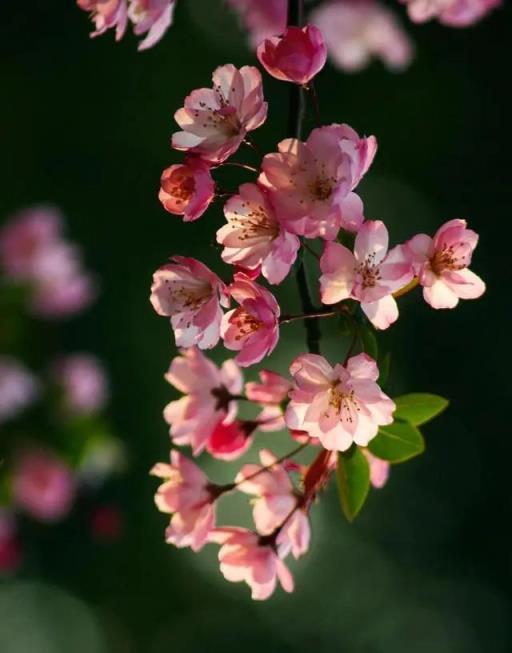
(310, 183)
(10, 549)
(107, 14)
(186, 494)
(254, 238)
(455, 13)
(187, 189)
(151, 17)
(83, 383)
(277, 502)
(339, 405)
(247, 557)
(442, 264)
(370, 274)
(18, 388)
(42, 485)
(191, 295)
(296, 56)
(252, 329)
(379, 469)
(230, 440)
(355, 31)
(262, 19)
(272, 388)
(24, 237)
(209, 397)
(216, 121)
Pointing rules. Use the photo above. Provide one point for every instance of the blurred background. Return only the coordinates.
(85, 126)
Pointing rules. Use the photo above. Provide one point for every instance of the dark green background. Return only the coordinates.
(85, 124)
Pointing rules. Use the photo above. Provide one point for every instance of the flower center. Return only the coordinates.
(369, 271)
(321, 189)
(188, 297)
(254, 223)
(245, 323)
(445, 259)
(343, 402)
(180, 185)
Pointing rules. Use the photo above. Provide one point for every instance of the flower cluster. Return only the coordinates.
(355, 31)
(302, 201)
(55, 442)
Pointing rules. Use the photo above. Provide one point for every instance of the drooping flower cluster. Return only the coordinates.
(301, 199)
(54, 440)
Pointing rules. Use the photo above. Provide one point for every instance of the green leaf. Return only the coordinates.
(369, 342)
(419, 408)
(397, 442)
(353, 477)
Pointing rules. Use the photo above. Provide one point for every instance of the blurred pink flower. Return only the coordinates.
(253, 237)
(310, 183)
(210, 395)
(276, 503)
(296, 56)
(271, 389)
(455, 13)
(252, 329)
(370, 274)
(187, 189)
(42, 485)
(151, 17)
(216, 121)
(355, 31)
(442, 264)
(262, 19)
(246, 557)
(107, 14)
(186, 494)
(339, 405)
(18, 388)
(82, 380)
(379, 469)
(10, 549)
(191, 295)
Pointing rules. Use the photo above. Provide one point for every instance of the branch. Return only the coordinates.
(295, 121)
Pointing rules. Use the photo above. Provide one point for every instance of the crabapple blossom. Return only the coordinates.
(339, 405)
(216, 121)
(355, 32)
(42, 485)
(252, 329)
(310, 183)
(277, 502)
(82, 381)
(230, 440)
(18, 388)
(186, 494)
(442, 264)
(379, 469)
(187, 189)
(370, 275)
(296, 56)
(191, 295)
(107, 14)
(210, 395)
(454, 13)
(261, 19)
(254, 238)
(272, 388)
(151, 17)
(245, 556)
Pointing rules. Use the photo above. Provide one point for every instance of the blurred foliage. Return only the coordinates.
(86, 126)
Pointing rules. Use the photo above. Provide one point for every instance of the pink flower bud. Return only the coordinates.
(297, 56)
(187, 189)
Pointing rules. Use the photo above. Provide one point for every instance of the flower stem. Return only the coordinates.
(286, 319)
(295, 122)
(236, 164)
